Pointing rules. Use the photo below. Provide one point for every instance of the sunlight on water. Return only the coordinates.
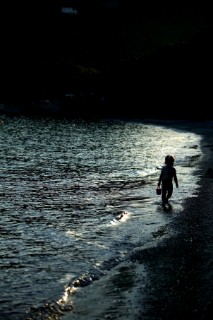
(64, 186)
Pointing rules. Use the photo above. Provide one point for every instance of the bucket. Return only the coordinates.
(158, 191)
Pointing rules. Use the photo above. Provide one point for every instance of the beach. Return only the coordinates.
(172, 280)
(180, 270)
(64, 252)
(181, 281)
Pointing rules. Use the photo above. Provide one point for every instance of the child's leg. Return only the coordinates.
(170, 191)
(164, 195)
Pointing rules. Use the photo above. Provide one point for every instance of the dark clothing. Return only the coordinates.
(168, 173)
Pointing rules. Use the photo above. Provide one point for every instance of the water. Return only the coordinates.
(63, 185)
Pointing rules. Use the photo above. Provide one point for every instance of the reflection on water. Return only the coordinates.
(62, 184)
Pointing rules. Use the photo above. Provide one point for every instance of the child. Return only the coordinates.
(168, 173)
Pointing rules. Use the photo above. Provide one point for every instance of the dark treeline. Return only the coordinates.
(127, 59)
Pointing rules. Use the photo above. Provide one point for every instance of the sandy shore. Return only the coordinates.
(172, 280)
(180, 285)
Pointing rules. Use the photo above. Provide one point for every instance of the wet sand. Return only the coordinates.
(172, 280)
(180, 281)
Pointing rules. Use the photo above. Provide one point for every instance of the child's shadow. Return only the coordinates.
(167, 207)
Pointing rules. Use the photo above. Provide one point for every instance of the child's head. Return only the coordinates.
(169, 159)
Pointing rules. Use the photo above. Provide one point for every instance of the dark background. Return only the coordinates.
(113, 58)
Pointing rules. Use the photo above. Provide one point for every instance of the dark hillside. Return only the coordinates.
(157, 60)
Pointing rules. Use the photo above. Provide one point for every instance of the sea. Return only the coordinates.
(77, 199)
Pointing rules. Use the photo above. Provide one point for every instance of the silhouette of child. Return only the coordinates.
(167, 175)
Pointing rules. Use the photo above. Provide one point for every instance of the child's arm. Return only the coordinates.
(160, 179)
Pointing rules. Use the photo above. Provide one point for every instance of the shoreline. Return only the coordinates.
(171, 276)
(173, 279)
(180, 272)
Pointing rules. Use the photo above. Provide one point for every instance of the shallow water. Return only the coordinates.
(63, 185)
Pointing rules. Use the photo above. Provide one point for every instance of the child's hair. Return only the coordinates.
(169, 159)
